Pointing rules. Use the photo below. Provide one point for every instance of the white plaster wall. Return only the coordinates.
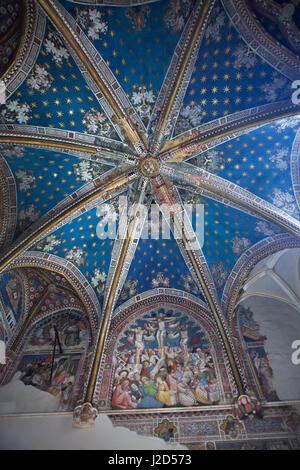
(15, 397)
(54, 431)
(280, 323)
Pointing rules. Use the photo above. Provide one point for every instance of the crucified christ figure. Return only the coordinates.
(161, 331)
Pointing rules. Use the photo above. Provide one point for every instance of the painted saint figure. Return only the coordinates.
(121, 397)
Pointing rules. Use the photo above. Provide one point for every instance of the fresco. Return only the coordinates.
(164, 360)
(52, 355)
(11, 294)
(72, 333)
(274, 444)
(36, 370)
(227, 77)
(256, 352)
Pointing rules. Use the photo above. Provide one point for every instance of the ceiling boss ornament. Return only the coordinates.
(149, 167)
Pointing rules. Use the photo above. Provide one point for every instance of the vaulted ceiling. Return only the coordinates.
(165, 102)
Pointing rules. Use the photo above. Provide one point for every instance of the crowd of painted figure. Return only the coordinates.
(162, 376)
(36, 372)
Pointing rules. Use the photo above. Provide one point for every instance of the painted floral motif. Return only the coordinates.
(281, 158)
(108, 212)
(97, 122)
(279, 87)
(213, 29)
(244, 58)
(178, 12)
(210, 161)
(39, 79)
(240, 244)
(55, 47)
(285, 201)
(219, 274)
(48, 244)
(287, 123)
(27, 216)
(129, 290)
(87, 170)
(98, 281)
(143, 101)
(76, 255)
(13, 151)
(160, 281)
(83, 170)
(90, 19)
(25, 179)
(189, 284)
(189, 116)
(266, 229)
(15, 111)
(138, 16)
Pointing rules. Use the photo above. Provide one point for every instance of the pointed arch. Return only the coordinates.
(34, 23)
(75, 278)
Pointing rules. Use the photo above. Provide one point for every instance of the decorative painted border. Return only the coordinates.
(295, 167)
(101, 189)
(260, 41)
(287, 26)
(166, 193)
(99, 77)
(116, 3)
(141, 197)
(34, 29)
(24, 290)
(245, 264)
(197, 428)
(131, 303)
(140, 304)
(27, 275)
(86, 146)
(177, 78)
(208, 135)
(191, 176)
(75, 278)
(8, 204)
